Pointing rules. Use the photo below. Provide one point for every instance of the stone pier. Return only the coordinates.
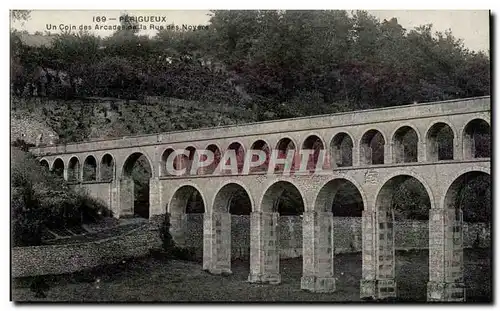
(446, 266)
(264, 251)
(217, 243)
(318, 255)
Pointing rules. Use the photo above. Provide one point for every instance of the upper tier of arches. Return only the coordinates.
(308, 152)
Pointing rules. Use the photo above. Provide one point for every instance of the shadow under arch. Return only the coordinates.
(440, 139)
(58, 167)
(405, 142)
(336, 223)
(467, 199)
(341, 149)
(285, 145)
(89, 168)
(230, 229)
(266, 246)
(107, 168)
(406, 198)
(314, 143)
(372, 147)
(186, 209)
(45, 164)
(476, 138)
(74, 169)
(136, 173)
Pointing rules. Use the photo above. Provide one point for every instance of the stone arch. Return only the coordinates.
(224, 192)
(372, 147)
(163, 162)
(405, 143)
(107, 168)
(260, 144)
(240, 152)
(476, 137)
(134, 189)
(45, 164)
(180, 195)
(216, 151)
(409, 173)
(440, 141)
(478, 169)
(74, 169)
(58, 167)
(90, 168)
(449, 246)
(315, 143)
(130, 161)
(319, 243)
(283, 146)
(341, 149)
(265, 237)
(385, 256)
(232, 205)
(186, 229)
(325, 196)
(270, 198)
(187, 160)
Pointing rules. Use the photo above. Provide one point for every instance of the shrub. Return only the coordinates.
(41, 199)
(91, 209)
(28, 217)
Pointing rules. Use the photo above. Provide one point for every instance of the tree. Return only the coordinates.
(20, 15)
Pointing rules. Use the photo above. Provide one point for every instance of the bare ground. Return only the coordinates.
(155, 280)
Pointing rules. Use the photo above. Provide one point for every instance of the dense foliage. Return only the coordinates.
(279, 63)
(40, 199)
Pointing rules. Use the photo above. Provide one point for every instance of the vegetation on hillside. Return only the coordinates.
(275, 64)
(40, 200)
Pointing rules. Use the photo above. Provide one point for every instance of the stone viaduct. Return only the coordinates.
(373, 168)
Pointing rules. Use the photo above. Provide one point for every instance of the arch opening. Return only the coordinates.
(477, 139)
(405, 145)
(45, 164)
(58, 167)
(134, 186)
(89, 169)
(233, 199)
(341, 150)
(74, 170)
(210, 169)
(440, 141)
(260, 145)
(468, 201)
(314, 145)
(283, 198)
(187, 160)
(240, 158)
(341, 200)
(186, 210)
(402, 209)
(107, 168)
(164, 171)
(283, 147)
(283, 203)
(372, 148)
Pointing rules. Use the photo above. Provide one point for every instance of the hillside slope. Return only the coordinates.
(99, 118)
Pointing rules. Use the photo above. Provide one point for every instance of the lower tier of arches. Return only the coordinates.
(378, 281)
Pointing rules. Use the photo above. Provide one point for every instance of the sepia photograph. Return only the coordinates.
(334, 156)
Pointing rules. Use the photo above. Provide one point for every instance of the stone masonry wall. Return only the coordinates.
(347, 235)
(58, 259)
